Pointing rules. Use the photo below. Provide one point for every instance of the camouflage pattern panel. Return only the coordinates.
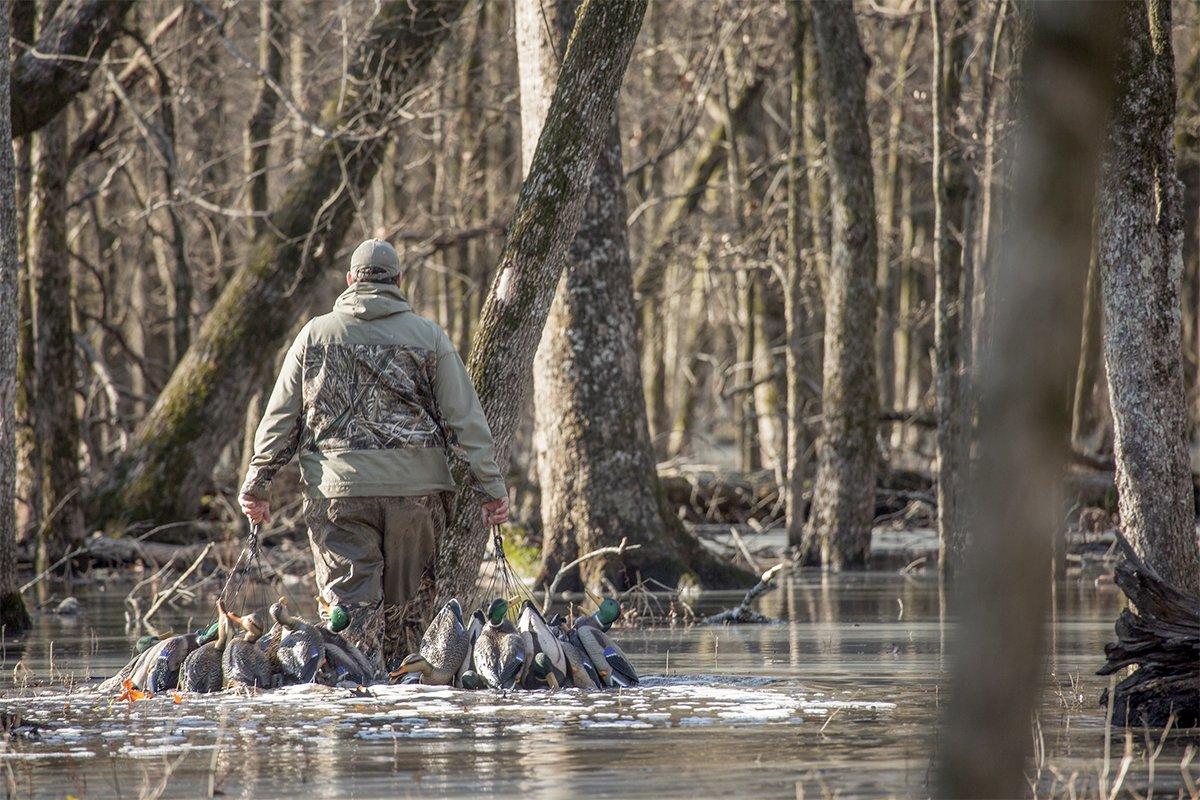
(369, 397)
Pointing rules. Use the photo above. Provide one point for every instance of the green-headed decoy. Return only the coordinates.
(245, 665)
(301, 649)
(542, 673)
(443, 648)
(500, 653)
(347, 661)
(202, 670)
(607, 612)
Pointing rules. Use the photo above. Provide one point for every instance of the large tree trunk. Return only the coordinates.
(950, 194)
(544, 225)
(69, 48)
(595, 464)
(997, 670)
(1141, 261)
(55, 382)
(13, 616)
(202, 407)
(843, 503)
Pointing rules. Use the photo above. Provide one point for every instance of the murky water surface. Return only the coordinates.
(839, 698)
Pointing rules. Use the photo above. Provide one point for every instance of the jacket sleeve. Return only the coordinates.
(278, 434)
(463, 415)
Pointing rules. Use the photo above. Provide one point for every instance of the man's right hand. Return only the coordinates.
(495, 512)
(257, 511)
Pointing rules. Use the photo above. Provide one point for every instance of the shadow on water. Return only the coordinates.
(839, 698)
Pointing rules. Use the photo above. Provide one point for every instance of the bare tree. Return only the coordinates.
(843, 505)
(1140, 257)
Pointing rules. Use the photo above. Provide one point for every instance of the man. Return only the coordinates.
(373, 396)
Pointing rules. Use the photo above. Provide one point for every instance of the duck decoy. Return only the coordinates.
(610, 661)
(542, 673)
(355, 665)
(532, 623)
(607, 612)
(244, 664)
(202, 670)
(301, 649)
(500, 652)
(466, 670)
(443, 648)
(167, 657)
(580, 671)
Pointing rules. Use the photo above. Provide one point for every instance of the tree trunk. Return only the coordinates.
(595, 463)
(202, 407)
(843, 503)
(1141, 239)
(258, 129)
(55, 380)
(1089, 415)
(545, 222)
(69, 48)
(998, 668)
(13, 616)
(801, 289)
(950, 193)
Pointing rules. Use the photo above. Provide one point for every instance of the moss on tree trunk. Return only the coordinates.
(202, 407)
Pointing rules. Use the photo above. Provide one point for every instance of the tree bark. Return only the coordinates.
(69, 49)
(56, 422)
(950, 194)
(545, 223)
(997, 668)
(844, 492)
(801, 289)
(13, 616)
(202, 407)
(1089, 414)
(1141, 261)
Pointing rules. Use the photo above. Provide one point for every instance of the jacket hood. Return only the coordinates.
(372, 301)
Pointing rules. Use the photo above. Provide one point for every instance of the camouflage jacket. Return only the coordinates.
(373, 397)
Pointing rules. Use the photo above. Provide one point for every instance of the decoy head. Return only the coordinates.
(541, 666)
(608, 610)
(497, 611)
(412, 663)
(208, 634)
(338, 616)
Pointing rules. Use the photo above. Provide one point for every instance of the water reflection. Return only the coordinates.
(841, 694)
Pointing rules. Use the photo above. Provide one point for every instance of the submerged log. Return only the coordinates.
(1160, 637)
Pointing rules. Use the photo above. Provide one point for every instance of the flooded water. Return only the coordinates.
(839, 698)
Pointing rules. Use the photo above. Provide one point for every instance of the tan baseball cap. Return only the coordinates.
(375, 260)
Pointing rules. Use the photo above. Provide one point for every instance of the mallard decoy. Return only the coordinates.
(168, 657)
(301, 649)
(607, 612)
(202, 670)
(443, 648)
(500, 653)
(611, 663)
(244, 664)
(354, 665)
(580, 671)
(542, 672)
(532, 622)
(467, 668)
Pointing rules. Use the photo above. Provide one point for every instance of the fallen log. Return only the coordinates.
(1160, 637)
